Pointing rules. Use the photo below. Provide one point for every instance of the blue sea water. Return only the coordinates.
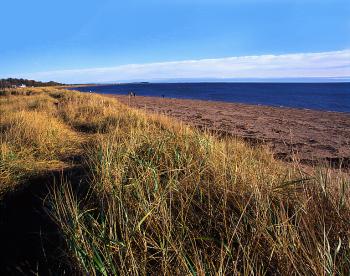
(318, 96)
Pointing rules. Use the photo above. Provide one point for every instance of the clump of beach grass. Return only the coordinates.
(33, 139)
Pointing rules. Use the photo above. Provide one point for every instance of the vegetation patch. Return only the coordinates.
(164, 198)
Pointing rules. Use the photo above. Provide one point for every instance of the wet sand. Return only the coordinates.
(309, 135)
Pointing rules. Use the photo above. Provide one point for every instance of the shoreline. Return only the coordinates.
(124, 93)
(312, 136)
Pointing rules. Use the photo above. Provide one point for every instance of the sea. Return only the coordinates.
(317, 96)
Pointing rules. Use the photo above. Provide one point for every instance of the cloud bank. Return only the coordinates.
(335, 64)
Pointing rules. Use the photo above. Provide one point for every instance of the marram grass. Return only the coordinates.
(168, 199)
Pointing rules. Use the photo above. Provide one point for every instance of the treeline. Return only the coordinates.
(10, 82)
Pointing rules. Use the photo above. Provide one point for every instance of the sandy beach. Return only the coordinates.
(310, 135)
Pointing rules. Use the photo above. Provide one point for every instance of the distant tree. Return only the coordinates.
(9, 82)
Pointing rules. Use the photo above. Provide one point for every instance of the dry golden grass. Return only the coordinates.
(32, 139)
(167, 199)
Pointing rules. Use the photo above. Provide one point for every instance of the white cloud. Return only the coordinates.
(334, 64)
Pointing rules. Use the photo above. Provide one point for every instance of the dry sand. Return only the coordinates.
(310, 135)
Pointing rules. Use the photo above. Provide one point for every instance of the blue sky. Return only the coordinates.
(56, 39)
